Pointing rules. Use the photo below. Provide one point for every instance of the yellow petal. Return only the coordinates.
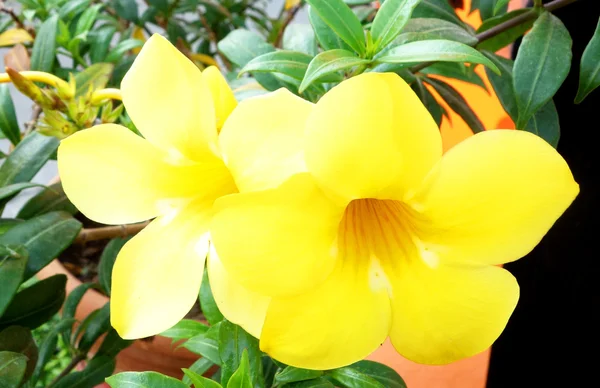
(335, 324)
(223, 98)
(494, 196)
(157, 274)
(262, 140)
(114, 176)
(138, 33)
(170, 102)
(447, 313)
(238, 305)
(278, 241)
(371, 137)
(289, 4)
(14, 36)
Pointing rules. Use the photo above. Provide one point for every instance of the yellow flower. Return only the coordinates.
(384, 236)
(173, 174)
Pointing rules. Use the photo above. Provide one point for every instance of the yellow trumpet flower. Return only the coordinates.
(173, 174)
(383, 236)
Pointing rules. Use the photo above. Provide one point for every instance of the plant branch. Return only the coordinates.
(507, 25)
(95, 234)
(35, 115)
(10, 12)
(290, 16)
(74, 361)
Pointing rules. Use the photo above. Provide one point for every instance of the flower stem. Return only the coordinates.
(37, 76)
(95, 234)
(104, 94)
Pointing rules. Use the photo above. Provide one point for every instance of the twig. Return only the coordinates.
(95, 234)
(10, 12)
(502, 27)
(291, 15)
(74, 361)
(35, 115)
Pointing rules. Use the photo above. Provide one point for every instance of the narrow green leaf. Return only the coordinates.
(112, 344)
(541, 66)
(330, 62)
(438, 9)
(14, 189)
(486, 8)
(504, 38)
(47, 348)
(390, 20)
(207, 344)
(435, 50)
(382, 373)
(241, 377)
(233, 342)
(12, 369)
(20, 340)
(100, 42)
(13, 261)
(93, 77)
(269, 370)
(291, 375)
(290, 63)
(457, 103)
(96, 370)
(589, 71)
(545, 124)
(300, 37)
(44, 237)
(185, 329)
(200, 367)
(107, 261)
(326, 37)
(28, 157)
(35, 304)
(72, 302)
(44, 46)
(434, 108)
(340, 18)
(72, 8)
(428, 28)
(501, 6)
(53, 198)
(8, 117)
(320, 382)
(207, 301)
(8, 223)
(87, 19)
(352, 378)
(126, 9)
(199, 381)
(97, 326)
(143, 380)
(455, 70)
(120, 49)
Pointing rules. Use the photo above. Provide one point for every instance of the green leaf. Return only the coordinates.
(8, 223)
(28, 157)
(330, 62)
(320, 382)
(233, 342)
(126, 9)
(200, 367)
(107, 261)
(434, 108)
(96, 370)
(501, 6)
(35, 304)
(72, 302)
(48, 348)
(326, 37)
(457, 103)
(112, 344)
(427, 29)
(53, 198)
(100, 42)
(291, 375)
(390, 20)
(143, 380)
(120, 49)
(8, 117)
(72, 8)
(300, 37)
(185, 329)
(541, 66)
(12, 369)
(435, 50)
(207, 301)
(382, 373)
(269, 370)
(44, 237)
(344, 23)
(352, 378)
(199, 381)
(19, 340)
(438, 9)
(44, 46)
(504, 38)
(290, 63)
(14, 189)
(207, 344)
(487, 8)
(93, 77)
(241, 377)
(13, 261)
(589, 71)
(98, 325)
(457, 71)
(545, 124)
(87, 19)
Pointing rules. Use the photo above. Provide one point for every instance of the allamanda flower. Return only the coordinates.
(383, 236)
(173, 174)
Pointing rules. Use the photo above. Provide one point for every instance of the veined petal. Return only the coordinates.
(449, 312)
(241, 306)
(262, 140)
(493, 197)
(371, 137)
(157, 274)
(170, 102)
(115, 177)
(279, 241)
(335, 324)
(222, 95)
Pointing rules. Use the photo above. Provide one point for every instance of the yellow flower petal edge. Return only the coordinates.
(170, 102)
(263, 138)
(222, 95)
